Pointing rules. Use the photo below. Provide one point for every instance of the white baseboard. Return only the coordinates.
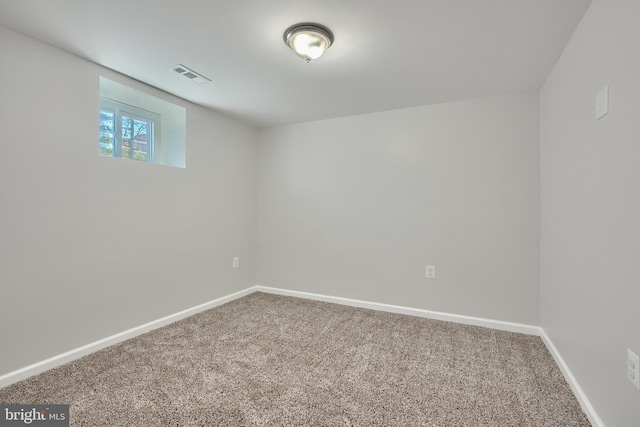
(588, 409)
(61, 359)
(436, 315)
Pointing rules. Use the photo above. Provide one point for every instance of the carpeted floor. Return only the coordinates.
(274, 360)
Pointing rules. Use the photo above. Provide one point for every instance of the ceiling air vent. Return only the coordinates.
(189, 73)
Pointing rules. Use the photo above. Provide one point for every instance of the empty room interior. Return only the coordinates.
(430, 217)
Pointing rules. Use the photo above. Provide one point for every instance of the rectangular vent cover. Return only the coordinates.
(189, 73)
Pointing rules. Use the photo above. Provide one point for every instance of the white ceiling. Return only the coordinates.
(387, 54)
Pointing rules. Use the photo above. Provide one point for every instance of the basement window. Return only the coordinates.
(128, 132)
(137, 126)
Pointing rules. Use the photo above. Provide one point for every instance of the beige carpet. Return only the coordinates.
(273, 360)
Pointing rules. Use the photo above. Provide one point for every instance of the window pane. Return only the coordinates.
(140, 136)
(135, 134)
(126, 137)
(107, 130)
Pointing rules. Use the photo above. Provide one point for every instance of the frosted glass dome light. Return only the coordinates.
(308, 41)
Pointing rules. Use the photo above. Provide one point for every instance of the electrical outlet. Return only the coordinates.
(431, 272)
(236, 261)
(602, 103)
(633, 368)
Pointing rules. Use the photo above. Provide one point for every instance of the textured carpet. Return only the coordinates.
(273, 360)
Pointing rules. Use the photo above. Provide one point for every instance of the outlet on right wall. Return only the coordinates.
(590, 207)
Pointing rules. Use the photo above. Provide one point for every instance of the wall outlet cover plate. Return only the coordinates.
(602, 103)
(633, 368)
(431, 272)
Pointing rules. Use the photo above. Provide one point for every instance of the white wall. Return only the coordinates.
(351, 207)
(590, 198)
(91, 246)
(356, 206)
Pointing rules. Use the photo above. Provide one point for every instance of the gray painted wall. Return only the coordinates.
(357, 206)
(590, 175)
(75, 263)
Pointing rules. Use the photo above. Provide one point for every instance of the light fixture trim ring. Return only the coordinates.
(307, 26)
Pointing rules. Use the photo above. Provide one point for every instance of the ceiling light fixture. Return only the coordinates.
(307, 40)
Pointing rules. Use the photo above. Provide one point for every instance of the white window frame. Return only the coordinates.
(153, 127)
